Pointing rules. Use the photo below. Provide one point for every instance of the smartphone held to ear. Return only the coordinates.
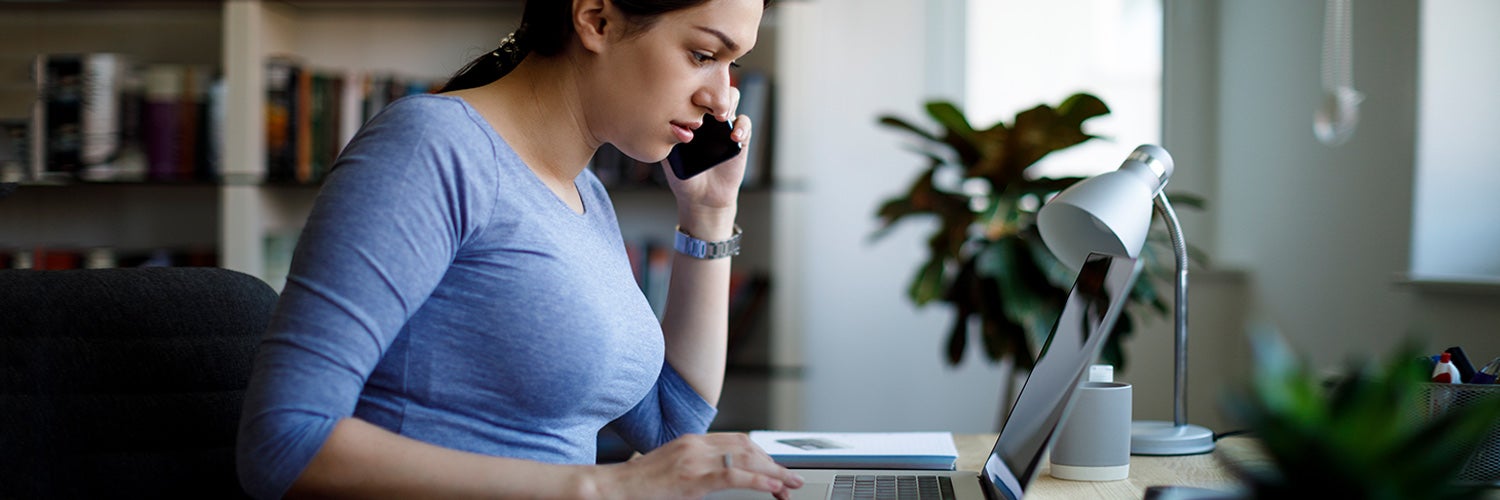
(710, 146)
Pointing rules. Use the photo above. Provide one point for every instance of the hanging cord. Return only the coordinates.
(1338, 68)
(1338, 112)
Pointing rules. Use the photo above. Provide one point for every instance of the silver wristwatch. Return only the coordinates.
(699, 249)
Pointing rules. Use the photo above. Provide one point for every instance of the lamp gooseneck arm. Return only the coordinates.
(1179, 248)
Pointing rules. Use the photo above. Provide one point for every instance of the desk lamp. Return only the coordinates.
(1111, 213)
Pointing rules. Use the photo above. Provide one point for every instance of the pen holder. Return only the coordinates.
(1093, 441)
(1483, 466)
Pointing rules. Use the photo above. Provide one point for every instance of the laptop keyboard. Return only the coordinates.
(892, 487)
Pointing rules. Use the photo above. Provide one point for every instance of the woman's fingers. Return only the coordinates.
(692, 466)
(741, 132)
(742, 454)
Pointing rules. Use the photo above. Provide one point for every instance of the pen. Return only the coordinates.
(1488, 374)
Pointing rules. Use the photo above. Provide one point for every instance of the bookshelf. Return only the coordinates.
(240, 215)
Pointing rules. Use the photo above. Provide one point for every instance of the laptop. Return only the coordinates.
(1094, 303)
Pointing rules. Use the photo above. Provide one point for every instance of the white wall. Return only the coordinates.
(1323, 233)
(1318, 236)
(843, 64)
(1322, 230)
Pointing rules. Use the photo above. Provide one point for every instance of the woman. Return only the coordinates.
(460, 317)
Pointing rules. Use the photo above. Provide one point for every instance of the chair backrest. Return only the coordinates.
(125, 382)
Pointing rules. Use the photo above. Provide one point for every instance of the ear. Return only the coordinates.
(591, 18)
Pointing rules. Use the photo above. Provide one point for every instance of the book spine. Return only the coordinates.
(162, 127)
(376, 89)
(14, 150)
(101, 80)
(190, 121)
(131, 163)
(321, 127)
(302, 125)
(352, 107)
(62, 98)
(36, 142)
(333, 118)
(213, 157)
(280, 102)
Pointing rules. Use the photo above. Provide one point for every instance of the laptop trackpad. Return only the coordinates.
(809, 491)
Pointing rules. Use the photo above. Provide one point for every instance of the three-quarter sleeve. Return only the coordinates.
(670, 409)
(387, 223)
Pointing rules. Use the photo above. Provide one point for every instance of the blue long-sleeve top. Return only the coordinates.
(441, 291)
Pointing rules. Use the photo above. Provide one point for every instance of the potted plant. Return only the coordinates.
(1379, 431)
(986, 258)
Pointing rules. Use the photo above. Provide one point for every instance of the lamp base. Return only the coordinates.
(1155, 437)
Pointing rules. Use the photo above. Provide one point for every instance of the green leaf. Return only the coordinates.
(897, 123)
(894, 209)
(1048, 185)
(959, 135)
(950, 118)
(958, 337)
(1038, 132)
(1079, 107)
(928, 284)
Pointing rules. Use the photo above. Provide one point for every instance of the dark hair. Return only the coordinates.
(546, 27)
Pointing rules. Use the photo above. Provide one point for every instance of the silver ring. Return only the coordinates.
(728, 461)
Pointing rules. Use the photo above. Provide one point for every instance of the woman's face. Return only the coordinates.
(655, 87)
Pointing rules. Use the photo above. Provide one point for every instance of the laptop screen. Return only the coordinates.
(1088, 316)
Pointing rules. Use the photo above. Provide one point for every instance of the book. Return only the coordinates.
(163, 120)
(859, 450)
(301, 119)
(281, 103)
(191, 109)
(15, 149)
(77, 120)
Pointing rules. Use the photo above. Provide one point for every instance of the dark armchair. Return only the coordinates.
(125, 382)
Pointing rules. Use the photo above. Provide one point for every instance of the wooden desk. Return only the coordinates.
(1205, 471)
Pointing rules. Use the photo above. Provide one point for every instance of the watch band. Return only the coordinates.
(699, 249)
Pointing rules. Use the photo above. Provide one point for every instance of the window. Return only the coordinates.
(1456, 215)
(1022, 53)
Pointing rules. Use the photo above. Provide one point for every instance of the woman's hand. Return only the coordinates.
(695, 465)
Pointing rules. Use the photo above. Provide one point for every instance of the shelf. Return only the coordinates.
(120, 183)
(78, 5)
(423, 5)
(243, 218)
(1451, 283)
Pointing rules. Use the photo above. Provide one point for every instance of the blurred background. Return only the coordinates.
(1344, 249)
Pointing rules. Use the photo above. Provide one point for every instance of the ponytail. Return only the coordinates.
(546, 26)
(489, 67)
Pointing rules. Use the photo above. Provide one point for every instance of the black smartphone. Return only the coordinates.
(710, 146)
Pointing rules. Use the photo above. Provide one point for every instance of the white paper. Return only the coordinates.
(915, 450)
